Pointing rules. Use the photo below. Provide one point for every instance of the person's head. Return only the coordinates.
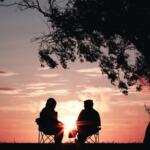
(51, 103)
(88, 104)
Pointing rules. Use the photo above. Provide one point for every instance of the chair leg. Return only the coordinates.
(96, 138)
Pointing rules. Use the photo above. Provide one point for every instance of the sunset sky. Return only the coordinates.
(25, 87)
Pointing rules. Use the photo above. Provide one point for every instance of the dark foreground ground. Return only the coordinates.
(102, 146)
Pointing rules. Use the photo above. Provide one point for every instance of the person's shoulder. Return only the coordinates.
(82, 111)
(55, 112)
(43, 109)
(95, 111)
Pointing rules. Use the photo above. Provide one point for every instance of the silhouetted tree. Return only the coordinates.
(108, 32)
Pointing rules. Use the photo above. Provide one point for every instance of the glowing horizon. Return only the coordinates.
(25, 88)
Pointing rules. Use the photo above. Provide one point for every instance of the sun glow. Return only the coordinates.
(69, 122)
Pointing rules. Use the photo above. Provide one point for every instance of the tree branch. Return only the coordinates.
(38, 7)
(30, 4)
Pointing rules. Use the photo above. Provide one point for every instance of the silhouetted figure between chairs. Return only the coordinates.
(147, 135)
(88, 122)
(48, 121)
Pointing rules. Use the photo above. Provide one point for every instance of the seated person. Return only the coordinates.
(88, 122)
(49, 123)
(147, 135)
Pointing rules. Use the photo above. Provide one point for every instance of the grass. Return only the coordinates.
(70, 146)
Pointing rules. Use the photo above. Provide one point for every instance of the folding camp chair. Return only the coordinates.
(45, 138)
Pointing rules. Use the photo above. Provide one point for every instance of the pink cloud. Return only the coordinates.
(42, 85)
(89, 70)
(60, 92)
(48, 75)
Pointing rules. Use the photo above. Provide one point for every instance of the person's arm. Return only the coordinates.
(79, 121)
(42, 113)
(80, 116)
(58, 122)
(55, 117)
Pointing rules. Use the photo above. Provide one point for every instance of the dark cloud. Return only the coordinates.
(2, 72)
(9, 90)
(7, 74)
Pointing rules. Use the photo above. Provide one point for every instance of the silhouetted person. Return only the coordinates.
(88, 122)
(147, 135)
(49, 123)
